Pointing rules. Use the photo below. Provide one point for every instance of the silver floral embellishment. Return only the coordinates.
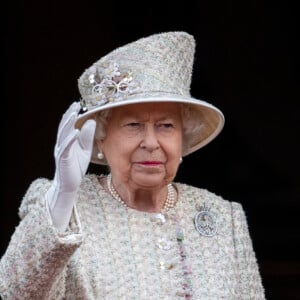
(109, 84)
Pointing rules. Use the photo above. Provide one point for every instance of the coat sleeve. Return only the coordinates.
(249, 279)
(34, 264)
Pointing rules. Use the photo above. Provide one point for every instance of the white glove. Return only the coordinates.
(72, 155)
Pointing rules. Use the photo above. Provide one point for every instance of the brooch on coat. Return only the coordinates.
(205, 222)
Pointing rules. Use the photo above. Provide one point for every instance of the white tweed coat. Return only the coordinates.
(113, 252)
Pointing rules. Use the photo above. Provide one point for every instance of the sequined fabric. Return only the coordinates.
(113, 252)
(158, 65)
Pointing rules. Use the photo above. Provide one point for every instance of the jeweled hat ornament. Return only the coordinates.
(157, 68)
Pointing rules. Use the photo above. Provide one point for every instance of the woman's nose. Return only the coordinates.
(149, 139)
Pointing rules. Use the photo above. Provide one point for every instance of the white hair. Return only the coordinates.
(191, 125)
(102, 118)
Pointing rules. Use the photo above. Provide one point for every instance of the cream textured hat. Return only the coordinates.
(157, 68)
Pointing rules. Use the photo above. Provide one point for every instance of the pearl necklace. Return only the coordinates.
(169, 203)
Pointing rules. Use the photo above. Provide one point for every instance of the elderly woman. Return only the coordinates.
(134, 233)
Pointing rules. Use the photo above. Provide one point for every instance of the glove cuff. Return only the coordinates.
(60, 205)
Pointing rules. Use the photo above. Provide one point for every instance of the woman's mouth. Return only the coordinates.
(150, 163)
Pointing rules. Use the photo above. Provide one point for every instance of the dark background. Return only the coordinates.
(246, 64)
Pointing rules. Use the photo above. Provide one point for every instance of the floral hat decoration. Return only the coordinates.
(157, 68)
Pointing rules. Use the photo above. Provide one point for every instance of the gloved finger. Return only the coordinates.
(66, 128)
(73, 108)
(86, 136)
(63, 149)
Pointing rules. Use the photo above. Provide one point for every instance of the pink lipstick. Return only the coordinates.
(150, 163)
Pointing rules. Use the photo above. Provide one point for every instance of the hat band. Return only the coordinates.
(87, 105)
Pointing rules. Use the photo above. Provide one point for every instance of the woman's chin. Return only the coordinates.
(149, 179)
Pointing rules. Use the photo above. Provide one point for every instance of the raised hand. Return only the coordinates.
(72, 154)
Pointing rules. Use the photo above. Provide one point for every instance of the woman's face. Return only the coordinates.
(143, 144)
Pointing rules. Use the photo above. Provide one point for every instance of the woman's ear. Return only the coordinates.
(99, 144)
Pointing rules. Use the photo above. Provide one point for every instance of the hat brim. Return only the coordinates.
(211, 119)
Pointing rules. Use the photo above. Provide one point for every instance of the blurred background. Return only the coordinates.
(246, 64)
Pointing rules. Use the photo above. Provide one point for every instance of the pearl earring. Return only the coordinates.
(100, 155)
(180, 160)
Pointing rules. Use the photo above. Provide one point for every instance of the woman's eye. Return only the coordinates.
(133, 124)
(166, 125)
